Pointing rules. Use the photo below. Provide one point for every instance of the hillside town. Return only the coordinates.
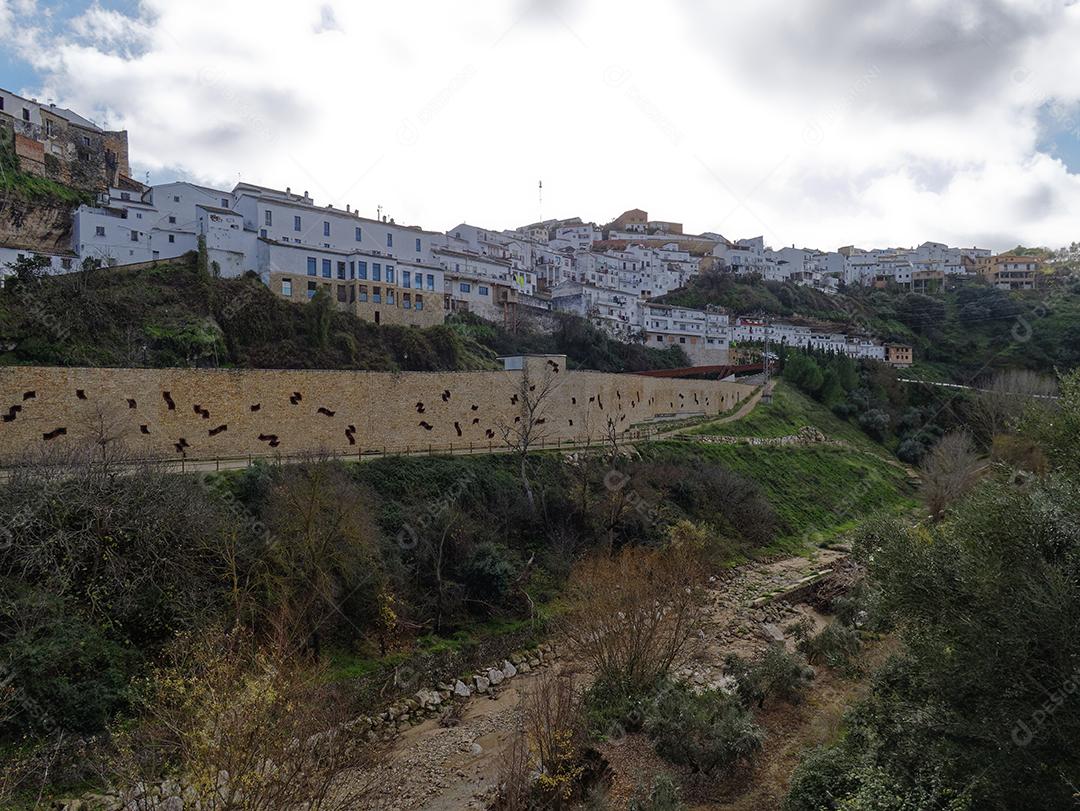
(387, 272)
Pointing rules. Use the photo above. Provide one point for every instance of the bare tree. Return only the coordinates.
(528, 428)
(544, 759)
(323, 543)
(950, 470)
(630, 617)
(229, 724)
(1006, 396)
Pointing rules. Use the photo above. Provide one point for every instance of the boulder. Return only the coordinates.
(508, 670)
(495, 676)
(461, 690)
(482, 683)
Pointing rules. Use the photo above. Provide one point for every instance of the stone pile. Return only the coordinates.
(424, 704)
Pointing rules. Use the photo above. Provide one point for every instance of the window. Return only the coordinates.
(48, 127)
(99, 231)
(225, 204)
(376, 295)
(327, 269)
(262, 233)
(268, 217)
(326, 229)
(352, 293)
(176, 198)
(376, 316)
(134, 236)
(341, 270)
(358, 233)
(311, 265)
(352, 269)
(363, 292)
(682, 340)
(406, 301)
(483, 291)
(389, 296)
(125, 195)
(286, 287)
(389, 274)
(406, 279)
(361, 270)
(418, 245)
(419, 302)
(376, 272)
(465, 287)
(296, 224)
(389, 240)
(342, 294)
(172, 237)
(311, 288)
(25, 114)
(430, 282)
(172, 220)
(660, 338)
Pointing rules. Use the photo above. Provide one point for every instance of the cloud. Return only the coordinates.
(823, 123)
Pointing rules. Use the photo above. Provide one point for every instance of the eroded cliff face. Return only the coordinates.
(36, 226)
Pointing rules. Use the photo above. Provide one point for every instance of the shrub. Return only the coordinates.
(778, 674)
(489, 572)
(663, 796)
(707, 733)
(834, 646)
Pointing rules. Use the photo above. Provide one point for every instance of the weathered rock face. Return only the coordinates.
(45, 227)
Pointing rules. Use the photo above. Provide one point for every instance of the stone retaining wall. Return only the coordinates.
(218, 413)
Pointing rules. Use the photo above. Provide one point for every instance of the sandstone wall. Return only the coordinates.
(199, 414)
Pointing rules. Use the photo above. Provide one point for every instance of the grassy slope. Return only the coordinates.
(818, 492)
(789, 411)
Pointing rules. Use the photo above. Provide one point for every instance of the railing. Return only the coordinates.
(194, 464)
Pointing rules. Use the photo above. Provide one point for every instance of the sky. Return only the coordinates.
(817, 123)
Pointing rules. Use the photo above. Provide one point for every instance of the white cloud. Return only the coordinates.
(823, 123)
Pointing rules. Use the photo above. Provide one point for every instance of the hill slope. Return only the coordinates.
(169, 315)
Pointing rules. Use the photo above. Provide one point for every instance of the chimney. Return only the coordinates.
(288, 190)
(348, 208)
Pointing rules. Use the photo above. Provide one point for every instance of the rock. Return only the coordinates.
(524, 667)
(482, 684)
(517, 658)
(772, 632)
(461, 690)
(171, 803)
(495, 676)
(534, 662)
(476, 749)
(508, 670)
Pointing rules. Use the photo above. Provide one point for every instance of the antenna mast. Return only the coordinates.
(541, 199)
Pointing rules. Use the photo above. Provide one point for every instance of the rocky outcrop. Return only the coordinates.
(44, 227)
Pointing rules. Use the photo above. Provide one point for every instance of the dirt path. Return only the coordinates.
(439, 769)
